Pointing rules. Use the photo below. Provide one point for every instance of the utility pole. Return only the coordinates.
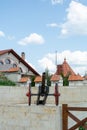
(56, 59)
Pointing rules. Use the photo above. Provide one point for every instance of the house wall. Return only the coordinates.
(13, 76)
(16, 61)
(76, 83)
(85, 82)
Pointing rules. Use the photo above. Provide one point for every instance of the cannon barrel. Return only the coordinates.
(43, 91)
(43, 82)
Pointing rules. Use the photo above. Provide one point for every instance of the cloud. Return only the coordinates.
(46, 62)
(78, 62)
(53, 25)
(54, 2)
(33, 38)
(2, 34)
(11, 38)
(76, 20)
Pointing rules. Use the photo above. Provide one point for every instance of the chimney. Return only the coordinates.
(23, 55)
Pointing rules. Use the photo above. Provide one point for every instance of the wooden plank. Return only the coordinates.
(66, 112)
(81, 123)
(73, 117)
(64, 117)
(77, 108)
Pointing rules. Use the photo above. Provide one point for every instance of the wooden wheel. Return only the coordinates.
(29, 96)
(56, 94)
(56, 100)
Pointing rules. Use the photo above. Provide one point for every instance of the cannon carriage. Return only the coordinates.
(43, 93)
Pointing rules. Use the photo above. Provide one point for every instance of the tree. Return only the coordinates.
(65, 79)
(48, 76)
(32, 81)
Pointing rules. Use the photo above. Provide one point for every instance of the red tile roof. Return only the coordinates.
(15, 69)
(4, 51)
(75, 78)
(38, 79)
(20, 59)
(24, 79)
(55, 77)
(65, 69)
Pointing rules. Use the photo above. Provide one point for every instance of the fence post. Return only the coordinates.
(64, 117)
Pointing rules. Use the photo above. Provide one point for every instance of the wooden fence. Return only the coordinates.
(66, 112)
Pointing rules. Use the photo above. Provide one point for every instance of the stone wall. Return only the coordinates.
(16, 114)
(17, 95)
(23, 117)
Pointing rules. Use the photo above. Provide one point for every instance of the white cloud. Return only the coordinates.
(46, 62)
(76, 20)
(11, 38)
(56, 1)
(2, 34)
(78, 62)
(33, 38)
(53, 25)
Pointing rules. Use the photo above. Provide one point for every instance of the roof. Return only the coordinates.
(65, 69)
(16, 69)
(20, 59)
(85, 77)
(55, 77)
(38, 79)
(75, 78)
(24, 79)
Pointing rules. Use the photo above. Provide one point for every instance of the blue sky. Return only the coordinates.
(40, 28)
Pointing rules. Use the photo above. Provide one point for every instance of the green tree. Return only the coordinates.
(48, 76)
(65, 79)
(32, 81)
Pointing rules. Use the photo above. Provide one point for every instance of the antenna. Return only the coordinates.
(56, 58)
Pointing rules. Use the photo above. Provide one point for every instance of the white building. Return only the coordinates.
(15, 67)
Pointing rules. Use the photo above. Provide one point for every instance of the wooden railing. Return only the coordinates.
(66, 112)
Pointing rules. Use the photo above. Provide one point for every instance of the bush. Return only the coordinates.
(5, 82)
(81, 128)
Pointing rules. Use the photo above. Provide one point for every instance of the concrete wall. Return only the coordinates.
(16, 114)
(23, 117)
(17, 95)
(13, 95)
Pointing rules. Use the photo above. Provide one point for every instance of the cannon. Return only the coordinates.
(43, 93)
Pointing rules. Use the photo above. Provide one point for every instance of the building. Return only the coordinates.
(56, 79)
(65, 70)
(15, 67)
(38, 81)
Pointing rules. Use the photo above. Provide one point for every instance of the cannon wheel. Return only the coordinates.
(56, 94)
(38, 95)
(29, 99)
(56, 100)
(29, 102)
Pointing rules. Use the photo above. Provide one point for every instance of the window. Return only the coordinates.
(7, 61)
(1, 62)
(20, 70)
(14, 65)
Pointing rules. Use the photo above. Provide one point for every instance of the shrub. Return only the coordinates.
(5, 82)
